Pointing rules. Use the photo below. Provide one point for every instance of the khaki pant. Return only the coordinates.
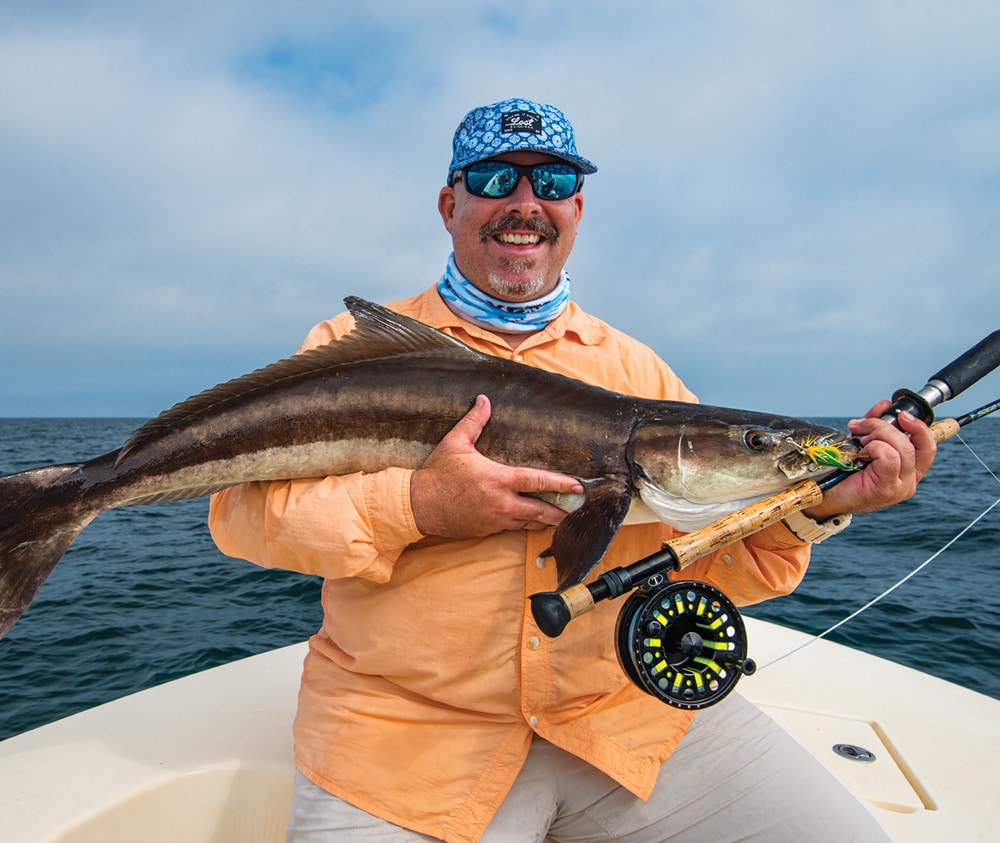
(736, 776)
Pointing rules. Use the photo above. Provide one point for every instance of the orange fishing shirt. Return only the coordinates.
(422, 690)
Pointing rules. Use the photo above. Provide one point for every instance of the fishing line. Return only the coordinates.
(905, 579)
(978, 458)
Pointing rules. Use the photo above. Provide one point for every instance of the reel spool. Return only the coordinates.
(684, 643)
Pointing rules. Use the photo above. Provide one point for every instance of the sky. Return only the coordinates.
(797, 206)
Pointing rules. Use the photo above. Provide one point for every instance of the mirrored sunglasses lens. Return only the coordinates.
(554, 181)
(491, 179)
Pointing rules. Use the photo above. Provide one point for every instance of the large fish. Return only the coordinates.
(385, 395)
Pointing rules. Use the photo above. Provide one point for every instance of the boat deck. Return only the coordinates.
(207, 758)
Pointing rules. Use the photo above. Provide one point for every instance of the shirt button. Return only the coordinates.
(540, 563)
(533, 721)
(534, 643)
(727, 559)
(518, 357)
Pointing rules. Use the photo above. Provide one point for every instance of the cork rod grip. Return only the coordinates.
(743, 523)
(944, 429)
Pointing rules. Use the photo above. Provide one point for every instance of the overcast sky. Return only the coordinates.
(798, 203)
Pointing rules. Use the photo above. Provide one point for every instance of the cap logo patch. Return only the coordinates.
(521, 121)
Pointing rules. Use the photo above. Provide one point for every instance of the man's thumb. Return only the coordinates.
(472, 423)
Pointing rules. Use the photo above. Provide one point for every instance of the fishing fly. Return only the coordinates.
(843, 454)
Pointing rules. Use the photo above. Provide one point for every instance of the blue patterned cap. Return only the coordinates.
(514, 125)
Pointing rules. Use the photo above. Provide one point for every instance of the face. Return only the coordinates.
(515, 247)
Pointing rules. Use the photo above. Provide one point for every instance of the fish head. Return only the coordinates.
(694, 470)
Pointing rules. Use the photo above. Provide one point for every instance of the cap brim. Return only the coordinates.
(586, 167)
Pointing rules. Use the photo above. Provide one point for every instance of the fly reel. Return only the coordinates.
(684, 643)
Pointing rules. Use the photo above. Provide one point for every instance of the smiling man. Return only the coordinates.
(431, 706)
(515, 247)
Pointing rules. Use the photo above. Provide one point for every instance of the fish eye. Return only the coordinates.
(756, 440)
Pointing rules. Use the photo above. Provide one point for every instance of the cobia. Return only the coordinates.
(385, 395)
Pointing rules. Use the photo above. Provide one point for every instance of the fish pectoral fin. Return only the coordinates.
(582, 538)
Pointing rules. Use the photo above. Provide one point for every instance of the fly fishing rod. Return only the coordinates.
(684, 642)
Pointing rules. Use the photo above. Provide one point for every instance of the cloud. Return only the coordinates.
(796, 204)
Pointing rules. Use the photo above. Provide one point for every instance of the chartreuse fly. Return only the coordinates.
(832, 454)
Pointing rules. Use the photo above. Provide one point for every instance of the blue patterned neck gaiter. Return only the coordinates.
(473, 305)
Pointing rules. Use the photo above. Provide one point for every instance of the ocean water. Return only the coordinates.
(143, 596)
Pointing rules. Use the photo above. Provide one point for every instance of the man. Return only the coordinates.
(431, 707)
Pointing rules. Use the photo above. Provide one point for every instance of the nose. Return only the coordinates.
(523, 200)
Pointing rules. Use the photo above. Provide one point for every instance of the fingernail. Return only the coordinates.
(908, 416)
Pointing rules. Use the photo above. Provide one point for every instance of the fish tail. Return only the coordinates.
(40, 515)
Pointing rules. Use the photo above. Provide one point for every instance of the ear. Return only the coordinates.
(446, 206)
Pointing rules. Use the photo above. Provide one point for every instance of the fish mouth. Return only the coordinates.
(811, 454)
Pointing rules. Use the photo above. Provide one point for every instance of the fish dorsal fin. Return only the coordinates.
(378, 333)
(392, 333)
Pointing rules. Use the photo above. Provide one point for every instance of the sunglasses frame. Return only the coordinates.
(523, 170)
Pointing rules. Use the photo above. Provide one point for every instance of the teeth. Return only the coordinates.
(518, 239)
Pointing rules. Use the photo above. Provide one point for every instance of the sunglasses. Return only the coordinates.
(496, 179)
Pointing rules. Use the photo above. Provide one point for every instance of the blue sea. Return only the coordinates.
(143, 596)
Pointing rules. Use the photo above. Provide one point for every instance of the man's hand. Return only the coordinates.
(897, 462)
(459, 493)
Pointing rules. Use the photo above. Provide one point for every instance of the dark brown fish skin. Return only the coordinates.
(385, 395)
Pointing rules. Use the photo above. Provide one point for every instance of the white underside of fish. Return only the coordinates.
(654, 504)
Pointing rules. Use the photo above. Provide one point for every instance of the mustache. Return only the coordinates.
(535, 225)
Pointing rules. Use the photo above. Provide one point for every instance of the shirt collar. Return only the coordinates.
(573, 320)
